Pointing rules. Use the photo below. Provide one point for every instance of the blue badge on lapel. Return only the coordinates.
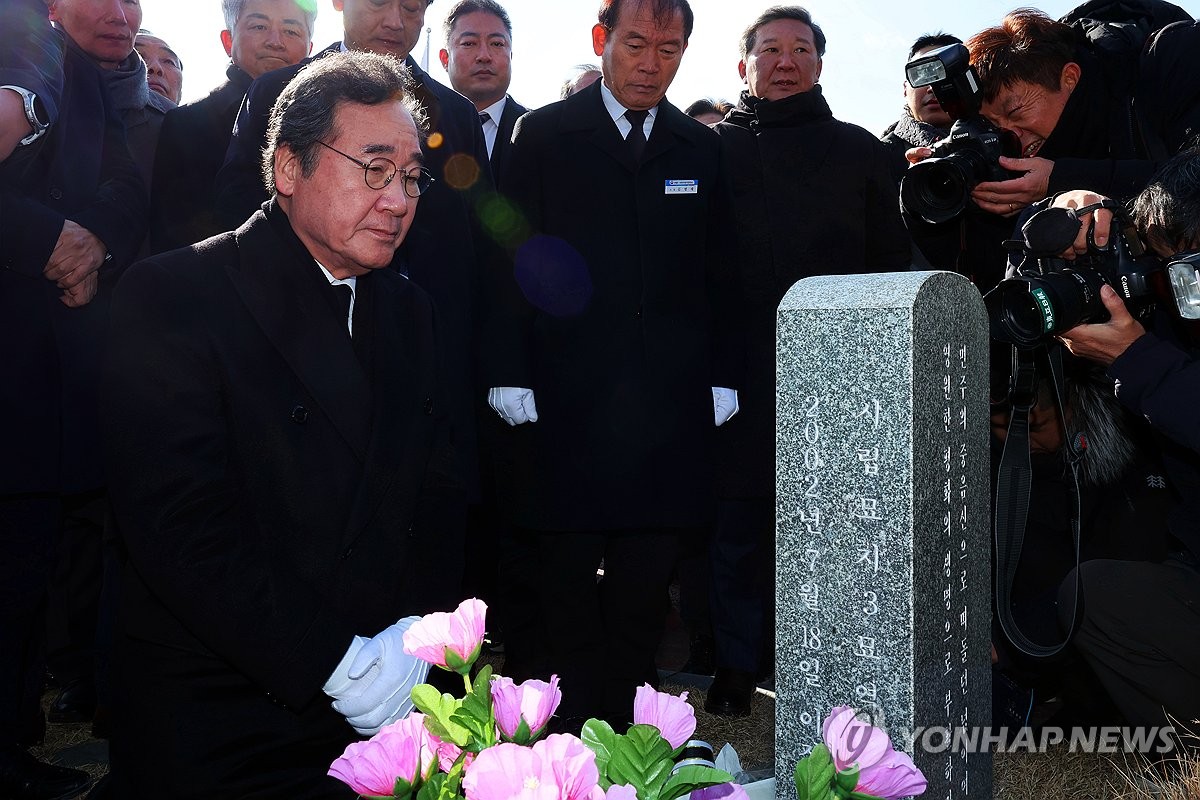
(681, 187)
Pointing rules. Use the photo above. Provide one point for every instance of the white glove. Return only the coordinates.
(725, 404)
(514, 404)
(379, 681)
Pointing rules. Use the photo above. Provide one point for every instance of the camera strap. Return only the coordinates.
(1013, 485)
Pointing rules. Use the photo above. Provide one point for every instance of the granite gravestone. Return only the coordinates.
(883, 518)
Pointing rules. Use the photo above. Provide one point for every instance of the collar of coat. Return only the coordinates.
(757, 112)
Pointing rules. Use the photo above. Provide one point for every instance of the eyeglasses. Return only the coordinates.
(379, 172)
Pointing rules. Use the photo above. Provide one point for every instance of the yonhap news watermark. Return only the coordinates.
(1104, 739)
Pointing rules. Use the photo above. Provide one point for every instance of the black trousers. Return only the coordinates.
(1140, 632)
(743, 582)
(28, 529)
(602, 636)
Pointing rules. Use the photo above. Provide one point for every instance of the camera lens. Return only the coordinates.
(937, 189)
(1025, 311)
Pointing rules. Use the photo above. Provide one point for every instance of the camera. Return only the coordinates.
(1050, 295)
(939, 188)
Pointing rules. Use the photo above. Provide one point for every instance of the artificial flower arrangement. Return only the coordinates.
(490, 744)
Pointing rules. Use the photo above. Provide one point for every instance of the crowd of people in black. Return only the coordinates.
(338, 345)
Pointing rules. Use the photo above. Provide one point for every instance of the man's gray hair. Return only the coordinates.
(305, 113)
(464, 7)
(750, 36)
(233, 10)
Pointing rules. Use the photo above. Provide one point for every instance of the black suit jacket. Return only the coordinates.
(609, 319)
(267, 476)
(502, 148)
(445, 250)
(191, 150)
(80, 170)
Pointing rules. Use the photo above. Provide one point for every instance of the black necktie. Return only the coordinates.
(484, 117)
(345, 295)
(636, 140)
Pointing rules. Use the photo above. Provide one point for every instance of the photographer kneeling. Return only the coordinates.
(1140, 623)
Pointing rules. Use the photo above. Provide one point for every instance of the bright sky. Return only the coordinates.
(861, 78)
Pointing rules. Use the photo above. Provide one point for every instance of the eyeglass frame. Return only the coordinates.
(395, 170)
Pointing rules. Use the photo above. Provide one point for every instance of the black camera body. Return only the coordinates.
(1050, 295)
(938, 189)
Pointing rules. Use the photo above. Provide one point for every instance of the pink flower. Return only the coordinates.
(882, 771)
(558, 768)
(403, 750)
(674, 718)
(448, 753)
(533, 702)
(449, 640)
(573, 764)
(621, 792)
(722, 791)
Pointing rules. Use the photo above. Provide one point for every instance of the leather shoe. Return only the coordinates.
(76, 702)
(23, 777)
(730, 693)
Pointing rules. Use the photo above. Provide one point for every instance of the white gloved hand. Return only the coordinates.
(514, 404)
(725, 404)
(381, 678)
(339, 682)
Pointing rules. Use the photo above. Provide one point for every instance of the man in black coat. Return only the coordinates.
(605, 350)
(259, 36)
(478, 59)
(811, 196)
(274, 427)
(444, 252)
(72, 210)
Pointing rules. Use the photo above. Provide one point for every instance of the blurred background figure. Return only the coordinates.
(708, 111)
(584, 76)
(259, 36)
(164, 69)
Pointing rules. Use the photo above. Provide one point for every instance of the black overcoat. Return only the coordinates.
(445, 249)
(191, 150)
(268, 473)
(502, 149)
(811, 196)
(81, 170)
(610, 319)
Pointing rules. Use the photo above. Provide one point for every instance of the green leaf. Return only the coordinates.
(475, 713)
(453, 782)
(689, 779)
(845, 781)
(432, 788)
(439, 710)
(862, 796)
(600, 738)
(642, 759)
(814, 775)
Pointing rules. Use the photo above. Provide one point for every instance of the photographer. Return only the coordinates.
(1087, 113)
(1140, 627)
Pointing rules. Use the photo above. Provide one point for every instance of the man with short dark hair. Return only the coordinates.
(812, 195)
(603, 351)
(446, 252)
(478, 59)
(923, 120)
(267, 471)
(259, 36)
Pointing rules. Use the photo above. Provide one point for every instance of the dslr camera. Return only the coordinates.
(1049, 295)
(939, 188)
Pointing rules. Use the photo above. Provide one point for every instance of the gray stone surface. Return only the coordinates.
(882, 517)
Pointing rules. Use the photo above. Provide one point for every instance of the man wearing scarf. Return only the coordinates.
(811, 195)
